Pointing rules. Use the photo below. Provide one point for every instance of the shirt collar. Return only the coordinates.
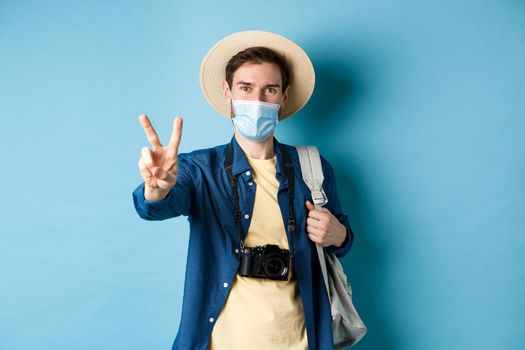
(240, 162)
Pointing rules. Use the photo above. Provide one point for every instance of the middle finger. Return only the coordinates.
(313, 222)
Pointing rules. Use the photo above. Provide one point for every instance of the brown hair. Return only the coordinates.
(258, 54)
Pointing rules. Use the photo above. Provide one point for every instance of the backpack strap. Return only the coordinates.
(312, 171)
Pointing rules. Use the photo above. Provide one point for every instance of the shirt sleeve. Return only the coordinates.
(177, 202)
(334, 205)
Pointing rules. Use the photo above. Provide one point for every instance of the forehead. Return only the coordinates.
(258, 73)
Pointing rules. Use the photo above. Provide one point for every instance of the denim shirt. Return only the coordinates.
(204, 195)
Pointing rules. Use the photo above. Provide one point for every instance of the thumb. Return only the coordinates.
(309, 205)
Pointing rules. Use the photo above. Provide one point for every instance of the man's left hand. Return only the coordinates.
(323, 228)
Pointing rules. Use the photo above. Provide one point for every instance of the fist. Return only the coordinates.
(323, 227)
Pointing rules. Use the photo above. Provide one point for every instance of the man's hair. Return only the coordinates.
(258, 54)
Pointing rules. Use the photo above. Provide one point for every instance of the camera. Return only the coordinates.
(268, 261)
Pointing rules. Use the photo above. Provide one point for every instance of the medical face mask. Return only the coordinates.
(255, 120)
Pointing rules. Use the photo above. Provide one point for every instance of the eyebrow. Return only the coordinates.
(250, 84)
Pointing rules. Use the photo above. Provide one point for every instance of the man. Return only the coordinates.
(253, 279)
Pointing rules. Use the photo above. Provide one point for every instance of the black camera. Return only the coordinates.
(267, 261)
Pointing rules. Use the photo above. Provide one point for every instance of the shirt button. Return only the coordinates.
(246, 216)
(225, 285)
(211, 319)
(250, 183)
(248, 173)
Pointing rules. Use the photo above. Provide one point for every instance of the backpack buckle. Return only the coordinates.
(319, 198)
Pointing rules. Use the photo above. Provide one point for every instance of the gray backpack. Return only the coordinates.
(347, 326)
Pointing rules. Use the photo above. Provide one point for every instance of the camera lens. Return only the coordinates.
(274, 267)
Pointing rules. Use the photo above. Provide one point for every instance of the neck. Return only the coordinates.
(258, 150)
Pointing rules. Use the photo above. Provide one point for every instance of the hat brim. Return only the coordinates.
(213, 69)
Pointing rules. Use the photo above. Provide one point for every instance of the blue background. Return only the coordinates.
(419, 106)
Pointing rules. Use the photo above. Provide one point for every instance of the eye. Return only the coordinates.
(271, 90)
(245, 88)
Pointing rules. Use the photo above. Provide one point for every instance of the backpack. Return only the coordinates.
(347, 326)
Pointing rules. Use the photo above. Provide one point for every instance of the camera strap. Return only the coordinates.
(289, 171)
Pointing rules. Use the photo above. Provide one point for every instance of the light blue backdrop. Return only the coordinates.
(419, 105)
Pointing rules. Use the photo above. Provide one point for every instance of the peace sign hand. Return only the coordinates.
(159, 166)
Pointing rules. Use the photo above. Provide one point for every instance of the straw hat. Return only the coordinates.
(213, 69)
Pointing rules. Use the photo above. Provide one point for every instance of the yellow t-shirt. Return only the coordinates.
(261, 313)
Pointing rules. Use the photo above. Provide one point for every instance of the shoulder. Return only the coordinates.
(204, 156)
(325, 164)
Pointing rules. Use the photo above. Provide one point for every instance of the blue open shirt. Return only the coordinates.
(203, 193)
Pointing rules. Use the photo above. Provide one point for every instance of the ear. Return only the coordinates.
(285, 95)
(226, 91)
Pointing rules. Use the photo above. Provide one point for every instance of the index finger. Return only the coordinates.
(176, 134)
(151, 134)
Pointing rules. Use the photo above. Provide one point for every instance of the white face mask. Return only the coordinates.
(255, 120)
